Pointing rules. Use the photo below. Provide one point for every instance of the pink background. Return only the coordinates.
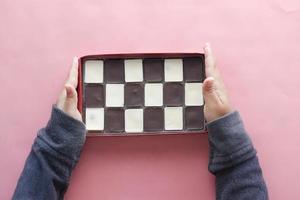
(257, 46)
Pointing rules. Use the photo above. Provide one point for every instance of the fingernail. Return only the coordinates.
(210, 78)
(206, 47)
(68, 85)
(75, 59)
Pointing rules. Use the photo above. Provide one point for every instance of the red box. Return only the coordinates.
(129, 56)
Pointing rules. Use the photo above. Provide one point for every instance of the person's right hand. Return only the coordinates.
(214, 91)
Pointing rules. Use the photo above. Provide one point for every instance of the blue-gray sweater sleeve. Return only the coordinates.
(54, 154)
(233, 160)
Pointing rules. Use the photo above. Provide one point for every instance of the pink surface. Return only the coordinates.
(257, 46)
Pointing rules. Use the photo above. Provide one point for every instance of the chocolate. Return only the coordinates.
(153, 94)
(134, 70)
(193, 69)
(173, 94)
(173, 70)
(94, 95)
(194, 118)
(153, 119)
(134, 95)
(114, 71)
(173, 118)
(134, 120)
(153, 70)
(193, 94)
(94, 118)
(93, 71)
(114, 120)
(114, 94)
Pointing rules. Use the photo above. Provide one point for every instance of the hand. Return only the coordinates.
(214, 91)
(67, 100)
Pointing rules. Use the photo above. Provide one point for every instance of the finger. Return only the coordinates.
(71, 96)
(73, 75)
(209, 57)
(210, 65)
(210, 94)
(61, 99)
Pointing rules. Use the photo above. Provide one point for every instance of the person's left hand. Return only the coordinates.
(67, 100)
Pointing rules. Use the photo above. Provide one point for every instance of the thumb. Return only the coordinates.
(71, 97)
(209, 92)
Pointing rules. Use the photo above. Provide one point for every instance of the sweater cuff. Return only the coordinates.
(63, 134)
(229, 142)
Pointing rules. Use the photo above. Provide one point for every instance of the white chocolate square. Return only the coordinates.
(114, 95)
(193, 94)
(173, 118)
(134, 70)
(94, 118)
(153, 94)
(134, 120)
(93, 72)
(173, 70)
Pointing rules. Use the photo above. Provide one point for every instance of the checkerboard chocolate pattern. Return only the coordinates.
(140, 94)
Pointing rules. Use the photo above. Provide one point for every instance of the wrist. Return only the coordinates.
(63, 134)
(212, 114)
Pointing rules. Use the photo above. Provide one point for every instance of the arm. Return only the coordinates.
(232, 157)
(56, 149)
(233, 160)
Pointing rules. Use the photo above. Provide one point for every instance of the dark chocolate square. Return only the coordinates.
(153, 69)
(173, 94)
(114, 71)
(134, 95)
(193, 69)
(114, 120)
(153, 119)
(194, 118)
(94, 95)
